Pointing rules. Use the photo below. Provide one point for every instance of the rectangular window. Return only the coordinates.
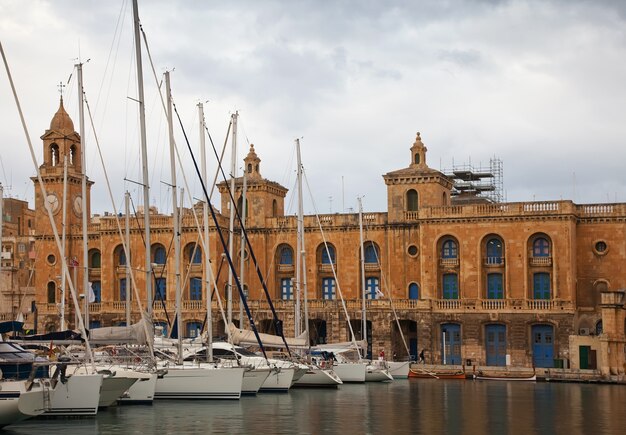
(159, 290)
(541, 285)
(328, 288)
(286, 289)
(195, 289)
(371, 288)
(494, 286)
(122, 289)
(450, 286)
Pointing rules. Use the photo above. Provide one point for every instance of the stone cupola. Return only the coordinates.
(252, 165)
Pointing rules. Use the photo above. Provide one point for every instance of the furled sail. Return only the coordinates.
(139, 333)
(245, 337)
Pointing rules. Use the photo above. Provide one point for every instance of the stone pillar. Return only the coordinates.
(612, 360)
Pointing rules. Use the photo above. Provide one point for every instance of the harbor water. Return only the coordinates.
(424, 406)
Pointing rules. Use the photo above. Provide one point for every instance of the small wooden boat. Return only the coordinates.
(480, 376)
(425, 374)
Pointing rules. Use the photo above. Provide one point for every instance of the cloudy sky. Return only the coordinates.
(537, 84)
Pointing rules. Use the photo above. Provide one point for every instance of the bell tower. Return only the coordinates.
(62, 149)
(264, 198)
(417, 186)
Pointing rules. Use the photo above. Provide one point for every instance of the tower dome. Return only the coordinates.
(61, 121)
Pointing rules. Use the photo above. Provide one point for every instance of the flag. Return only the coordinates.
(92, 295)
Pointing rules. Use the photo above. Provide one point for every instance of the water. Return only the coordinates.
(421, 406)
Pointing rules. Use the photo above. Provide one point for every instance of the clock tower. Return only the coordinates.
(61, 149)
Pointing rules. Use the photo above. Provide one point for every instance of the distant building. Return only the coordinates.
(472, 281)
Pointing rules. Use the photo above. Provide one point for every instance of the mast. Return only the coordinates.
(233, 169)
(2, 223)
(207, 258)
(242, 251)
(363, 307)
(83, 194)
(144, 159)
(301, 251)
(127, 241)
(175, 215)
(63, 247)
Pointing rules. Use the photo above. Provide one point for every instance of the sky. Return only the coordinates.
(536, 84)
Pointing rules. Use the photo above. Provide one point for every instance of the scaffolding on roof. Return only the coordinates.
(477, 182)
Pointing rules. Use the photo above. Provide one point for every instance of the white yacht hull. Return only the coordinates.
(317, 377)
(142, 391)
(113, 387)
(399, 369)
(279, 380)
(199, 382)
(253, 380)
(78, 396)
(351, 371)
(17, 404)
(377, 374)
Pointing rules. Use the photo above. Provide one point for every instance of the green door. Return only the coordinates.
(583, 355)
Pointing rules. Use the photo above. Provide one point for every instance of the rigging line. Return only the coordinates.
(278, 324)
(143, 240)
(388, 292)
(224, 244)
(133, 282)
(57, 240)
(334, 270)
(106, 68)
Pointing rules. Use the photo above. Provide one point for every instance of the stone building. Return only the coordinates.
(17, 291)
(477, 282)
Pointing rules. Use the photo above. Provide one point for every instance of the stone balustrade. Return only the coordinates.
(540, 261)
(449, 262)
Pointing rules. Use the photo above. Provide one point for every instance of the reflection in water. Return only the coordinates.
(425, 406)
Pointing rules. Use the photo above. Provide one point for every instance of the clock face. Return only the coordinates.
(52, 202)
(77, 205)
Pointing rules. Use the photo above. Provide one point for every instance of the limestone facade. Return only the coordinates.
(480, 283)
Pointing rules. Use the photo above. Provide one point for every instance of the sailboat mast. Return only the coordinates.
(231, 225)
(363, 307)
(144, 159)
(300, 247)
(129, 285)
(170, 127)
(207, 258)
(63, 244)
(83, 194)
(298, 320)
(242, 252)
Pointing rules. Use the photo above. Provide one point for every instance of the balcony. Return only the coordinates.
(494, 304)
(285, 268)
(448, 304)
(541, 261)
(95, 272)
(372, 267)
(326, 268)
(449, 262)
(493, 261)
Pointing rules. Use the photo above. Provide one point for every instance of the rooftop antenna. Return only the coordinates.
(330, 201)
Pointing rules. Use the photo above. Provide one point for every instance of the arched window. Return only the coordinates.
(274, 208)
(328, 254)
(541, 247)
(73, 159)
(249, 168)
(240, 207)
(54, 154)
(599, 327)
(417, 158)
(414, 291)
(52, 292)
(193, 329)
(120, 256)
(444, 199)
(449, 249)
(495, 251)
(286, 255)
(194, 253)
(411, 200)
(371, 253)
(96, 259)
(159, 254)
